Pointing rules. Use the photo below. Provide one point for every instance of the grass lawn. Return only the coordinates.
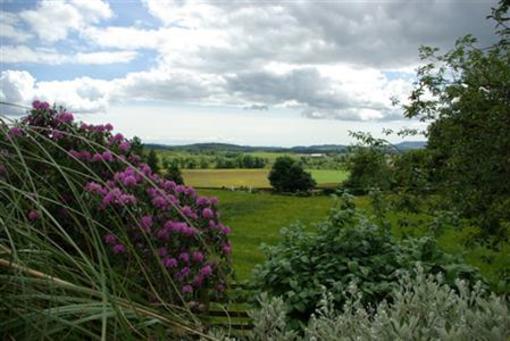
(258, 218)
(255, 178)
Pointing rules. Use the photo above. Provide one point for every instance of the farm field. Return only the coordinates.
(255, 178)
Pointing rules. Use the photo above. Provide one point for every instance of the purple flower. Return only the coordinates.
(108, 127)
(15, 132)
(118, 137)
(170, 262)
(146, 222)
(184, 256)
(129, 180)
(119, 248)
(202, 201)
(207, 213)
(159, 202)
(74, 153)
(214, 201)
(188, 212)
(187, 289)
(227, 248)
(206, 271)
(126, 199)
(226, 230)
(163, 234)
(93, 187)
(107, 156)
(198, 256)
(183, 273)
(190, 191)
(198, 281)
(110, 239)
(85, 155)
(40, 105)
(169, 185)
(33, 215)
(57, 135)
(124, 146)
(65, 117)
(97, 157)
(162, 251)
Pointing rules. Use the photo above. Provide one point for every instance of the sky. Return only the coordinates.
(265, 72)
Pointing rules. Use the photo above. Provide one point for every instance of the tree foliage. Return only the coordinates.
(287, 175)
(173, 173)
(368, 164)
(465, 95)
(153, 161)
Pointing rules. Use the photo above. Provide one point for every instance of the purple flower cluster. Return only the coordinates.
(168, 225)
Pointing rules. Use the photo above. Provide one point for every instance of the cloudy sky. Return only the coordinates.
(261, 72)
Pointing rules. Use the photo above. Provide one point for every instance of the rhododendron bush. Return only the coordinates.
(91, 184)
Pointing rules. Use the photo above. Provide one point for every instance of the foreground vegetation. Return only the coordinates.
(96, 244)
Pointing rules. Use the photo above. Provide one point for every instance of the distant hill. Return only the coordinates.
(402, 146)
(315, 149)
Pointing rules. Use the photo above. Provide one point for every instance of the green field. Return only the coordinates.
(255, 178)
(257, 218)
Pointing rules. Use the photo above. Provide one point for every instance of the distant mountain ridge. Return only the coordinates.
(314, 149)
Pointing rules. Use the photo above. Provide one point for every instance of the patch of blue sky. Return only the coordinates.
(392, 75)
(144, 60)
(131, 13)
(16, 6)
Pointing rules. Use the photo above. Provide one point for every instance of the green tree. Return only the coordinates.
(174, 173)
(287, 175)
(368, 164)
(465, 96)
(153, 161)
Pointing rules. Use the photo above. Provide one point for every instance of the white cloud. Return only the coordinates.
(81, 94)
(16, 86)
(9, 28)
(24, 54)
(53, 20)
(322, 59)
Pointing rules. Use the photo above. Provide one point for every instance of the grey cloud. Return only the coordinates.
(315, 95)
(369, 33)
(260, 107)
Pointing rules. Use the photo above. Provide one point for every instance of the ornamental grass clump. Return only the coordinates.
(78, 206)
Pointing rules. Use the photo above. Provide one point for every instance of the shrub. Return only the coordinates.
(346, 248)
(153, 160)
(174, 174)
(79, 181)
(287, 175)
(423, 307)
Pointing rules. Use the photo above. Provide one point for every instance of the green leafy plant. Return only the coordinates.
(348, 247)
